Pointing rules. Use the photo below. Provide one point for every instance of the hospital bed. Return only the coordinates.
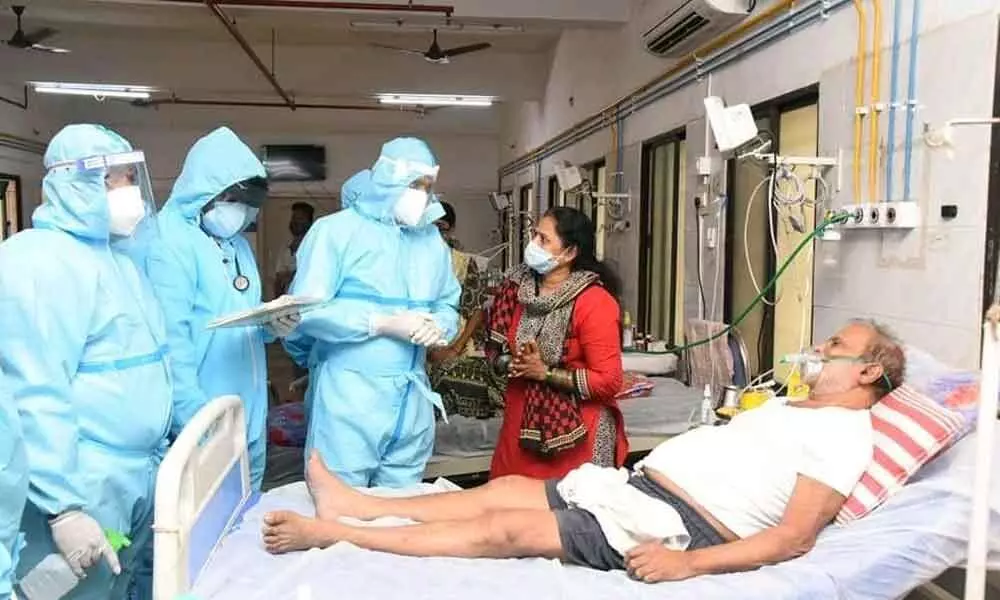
(465, 446)
(202, 493)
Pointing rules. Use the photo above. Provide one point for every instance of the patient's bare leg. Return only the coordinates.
(334, 498)
(503, 534)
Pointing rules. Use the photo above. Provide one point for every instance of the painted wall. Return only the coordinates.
(927, 284)
(35, 123)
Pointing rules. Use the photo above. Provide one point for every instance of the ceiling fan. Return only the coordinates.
(436, 54)
(33, 40)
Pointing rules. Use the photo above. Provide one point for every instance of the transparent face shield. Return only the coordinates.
(127, 187)
(401, 169)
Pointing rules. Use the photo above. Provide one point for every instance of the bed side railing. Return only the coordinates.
(201, 488)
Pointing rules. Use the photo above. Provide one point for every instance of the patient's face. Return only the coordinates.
(848, 345)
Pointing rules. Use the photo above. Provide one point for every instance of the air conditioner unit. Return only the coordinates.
(680, 30)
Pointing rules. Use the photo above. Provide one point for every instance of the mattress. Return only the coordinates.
(917, 534)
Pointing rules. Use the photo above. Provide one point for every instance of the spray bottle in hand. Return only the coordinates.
(53, 577)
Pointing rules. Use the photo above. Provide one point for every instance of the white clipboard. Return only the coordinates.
(267, 312)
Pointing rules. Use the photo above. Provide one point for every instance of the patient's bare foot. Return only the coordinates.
(285, 531)
(333, 498)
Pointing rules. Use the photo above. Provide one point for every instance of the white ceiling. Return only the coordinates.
(318, 56)
(540, 21)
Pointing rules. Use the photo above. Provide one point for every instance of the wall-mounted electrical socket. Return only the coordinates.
(703, 166)
(883, 215)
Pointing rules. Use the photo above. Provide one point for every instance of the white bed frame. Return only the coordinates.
(201, 489)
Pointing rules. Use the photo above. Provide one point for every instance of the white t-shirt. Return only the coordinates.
(743, 473)
(286, 262)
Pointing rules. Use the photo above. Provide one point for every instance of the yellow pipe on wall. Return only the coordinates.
(859, 97)
(875, 97)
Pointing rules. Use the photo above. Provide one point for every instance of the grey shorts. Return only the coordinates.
(584, 544)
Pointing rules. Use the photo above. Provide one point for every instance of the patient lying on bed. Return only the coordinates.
(716, 499)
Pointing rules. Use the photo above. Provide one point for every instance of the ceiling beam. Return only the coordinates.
(213, 5)
(409, 7)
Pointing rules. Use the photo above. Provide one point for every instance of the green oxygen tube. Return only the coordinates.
(832, 218)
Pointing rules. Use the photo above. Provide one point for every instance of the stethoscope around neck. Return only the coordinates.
(241, 282)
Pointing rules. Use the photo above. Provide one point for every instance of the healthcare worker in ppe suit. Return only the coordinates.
(385, 273)
(300, 348)
(83, 350)
(13, 488)
(203, 268)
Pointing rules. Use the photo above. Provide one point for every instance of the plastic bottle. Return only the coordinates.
(628, 335)
(52, 578)
(707, 407)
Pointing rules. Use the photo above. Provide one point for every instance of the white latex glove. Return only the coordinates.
(283, 326)
(402, 326)
(80, 539)
(429, 334)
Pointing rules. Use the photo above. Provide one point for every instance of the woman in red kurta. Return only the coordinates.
(555, 324)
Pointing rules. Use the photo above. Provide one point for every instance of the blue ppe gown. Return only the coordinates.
(13, 488)
(84, 352)
(193, 275)
(300, 347)
(372, 409)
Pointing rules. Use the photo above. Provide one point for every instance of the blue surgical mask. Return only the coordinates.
(539, 259)
(227, 219)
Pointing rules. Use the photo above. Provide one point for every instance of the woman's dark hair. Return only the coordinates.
(449, 214)
(305, 208)
(577, 231)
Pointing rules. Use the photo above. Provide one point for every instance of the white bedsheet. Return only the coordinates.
(920, 532)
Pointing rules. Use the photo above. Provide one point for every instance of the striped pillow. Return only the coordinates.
(909, 430)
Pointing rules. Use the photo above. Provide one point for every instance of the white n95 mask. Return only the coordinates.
(410, 207)
(126, 209)
(226, 219)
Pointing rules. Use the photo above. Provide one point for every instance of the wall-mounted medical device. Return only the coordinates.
(733, 127)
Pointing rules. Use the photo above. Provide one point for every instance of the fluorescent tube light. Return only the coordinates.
(400, 25)
(99, 90)
(435, 99)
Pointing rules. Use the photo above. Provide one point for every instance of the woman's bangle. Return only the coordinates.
(560, 378)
